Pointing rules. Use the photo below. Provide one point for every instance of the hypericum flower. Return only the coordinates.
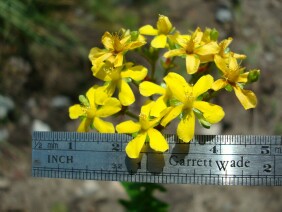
(188, 106)
(147, 88)
(224, 51)
(144, 130)
(194, 50)
(164, 28)
(234, 76)
(116, 45)
(118, 77)
(91, 113)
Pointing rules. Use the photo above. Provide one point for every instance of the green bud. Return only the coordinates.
(253, 76)
(214, 34)
(228, 88)
(83, 100)
(134, 35)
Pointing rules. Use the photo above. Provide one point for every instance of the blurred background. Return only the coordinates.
(44, 66)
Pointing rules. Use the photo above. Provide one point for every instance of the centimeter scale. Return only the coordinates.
(250, 160)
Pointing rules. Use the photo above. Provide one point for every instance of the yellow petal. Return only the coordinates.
(99, 71)
(125, 94)
(136, 73)
(134, 146)
(164, 25)
(104, 92)
(174, 52)
(159, 106)
(209, 48)
(110, 107)
(243, 77)
(107, 40)
(186, 127)
(171, 114)
(147, 88)
(148, 30)
(233, 65)
(202, 85)
(84, 125)
(118, 60)
(159, 41)
(157, 140)
(221, 64)
(225, 43)
(192, 63)
(177, 85)
(212, 113)
(219, 84)
(76, 111)
(146, 108)
(91, 97)
(246, 97)
(103, 126)
(128, 127)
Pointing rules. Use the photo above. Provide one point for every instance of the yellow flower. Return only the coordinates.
(116, 45)
(224, 51)
(187, 105)
(164, 27)
(145, 132)
(234, 76)
(194, 50)
(147, 88)
(118, 77)
(91, 112)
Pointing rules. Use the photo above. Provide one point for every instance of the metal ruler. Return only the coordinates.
(250, 160)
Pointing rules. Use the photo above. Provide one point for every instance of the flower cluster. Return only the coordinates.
(185, 97)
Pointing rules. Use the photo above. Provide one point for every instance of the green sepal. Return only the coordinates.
(253, 75)
(214, 34)
(228, 88)
(83, 100)
(202, 119)
(134, 35)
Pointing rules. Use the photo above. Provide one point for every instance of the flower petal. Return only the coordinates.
(104, 92)
(128, 127)
(174, 52)
(202, 85)
(136, 73)
(134, 146)
(147, 88)
(211, 112)
(172, 114)
(246, 97)
(146, 108)
(125, 94)
(219, 84)
(99, 71)
(159, 41)
(186, 127)
(103, 126)
(177, 85)
(84, 125)
(209, 48)
(118, 59)
(192, 63)
(107, 41)
(157, 140)
(243, 77)
(159, 106)
(221, 64)
(233, 64)
(91, 96)
(148, 30)
(110, 107)
(76, 111)
(163, 24)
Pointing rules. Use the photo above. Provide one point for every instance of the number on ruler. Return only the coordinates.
(214, 150)
(265, 150)
(267, 168)
(115, 147)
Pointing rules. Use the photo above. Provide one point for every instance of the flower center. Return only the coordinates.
(88, 111)
(189, 100)
(232, 75)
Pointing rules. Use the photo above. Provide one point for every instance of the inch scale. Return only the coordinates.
(212, 160)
